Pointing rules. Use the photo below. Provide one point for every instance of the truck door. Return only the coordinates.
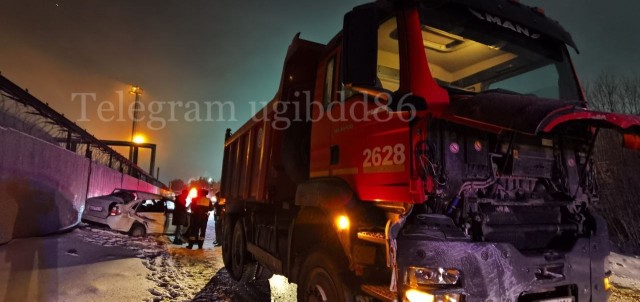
(371, 145)
(325, 94)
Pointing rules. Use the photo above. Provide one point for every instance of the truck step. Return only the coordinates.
(380, 292)
(375, 237)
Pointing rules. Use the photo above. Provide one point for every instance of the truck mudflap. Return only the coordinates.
(532, 115)
(499, 272)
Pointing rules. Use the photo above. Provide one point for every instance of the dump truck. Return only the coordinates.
(431, 151)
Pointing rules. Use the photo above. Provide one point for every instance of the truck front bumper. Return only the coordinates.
(498, 272)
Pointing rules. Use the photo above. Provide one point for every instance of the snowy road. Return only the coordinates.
(93, 264)
(67, 268)
(179, 274)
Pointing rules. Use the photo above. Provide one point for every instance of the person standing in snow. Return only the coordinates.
(180, 216)
(200, 207)
(218, 210)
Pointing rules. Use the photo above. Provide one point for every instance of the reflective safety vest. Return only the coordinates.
(201, 205)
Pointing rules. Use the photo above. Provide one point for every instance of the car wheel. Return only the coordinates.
(322, 279)
(138, 230)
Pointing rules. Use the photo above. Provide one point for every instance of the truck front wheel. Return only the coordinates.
(322, 279)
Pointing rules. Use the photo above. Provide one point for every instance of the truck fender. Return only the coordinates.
(322, 201)
(329, 193)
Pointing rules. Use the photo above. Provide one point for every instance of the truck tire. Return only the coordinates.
(227, 236)
(241, 267)
(322, 278)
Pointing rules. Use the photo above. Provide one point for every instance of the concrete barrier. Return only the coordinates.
(43, 187)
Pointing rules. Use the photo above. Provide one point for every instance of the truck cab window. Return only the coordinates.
(328, 82)
(542, 82)
(467, 53)
(388, 56)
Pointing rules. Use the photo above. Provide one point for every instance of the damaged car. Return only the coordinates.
(134, 212)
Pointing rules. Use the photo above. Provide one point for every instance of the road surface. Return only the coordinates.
(95, 264)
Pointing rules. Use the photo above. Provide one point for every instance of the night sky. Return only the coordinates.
(218, 51)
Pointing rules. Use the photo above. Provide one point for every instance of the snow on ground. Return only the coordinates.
(67, 268)
(203, 271)
(625, 277)
(180, 274)
(95, 264)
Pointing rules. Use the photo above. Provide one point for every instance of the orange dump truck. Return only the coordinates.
(431, 151)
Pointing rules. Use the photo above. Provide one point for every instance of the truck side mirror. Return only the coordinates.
(360, 46)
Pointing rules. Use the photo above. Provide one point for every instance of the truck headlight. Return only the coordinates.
(414, 295)
(423, 276)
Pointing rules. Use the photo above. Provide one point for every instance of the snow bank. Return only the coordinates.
(625, 271)
(625, 277)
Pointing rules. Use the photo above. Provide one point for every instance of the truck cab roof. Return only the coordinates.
(506, 13)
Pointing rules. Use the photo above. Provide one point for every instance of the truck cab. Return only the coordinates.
(431, 151)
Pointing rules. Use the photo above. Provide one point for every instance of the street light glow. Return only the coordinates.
(138, 139)
(137, 90)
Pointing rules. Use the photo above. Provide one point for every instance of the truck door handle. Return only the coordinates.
(335, 155)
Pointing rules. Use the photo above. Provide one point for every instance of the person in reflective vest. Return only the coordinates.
(200, 208)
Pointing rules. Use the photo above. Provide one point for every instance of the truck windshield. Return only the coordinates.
(468, 54)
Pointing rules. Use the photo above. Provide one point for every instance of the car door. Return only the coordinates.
(153, 213)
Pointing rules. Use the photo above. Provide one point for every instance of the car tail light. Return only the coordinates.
(115, 211)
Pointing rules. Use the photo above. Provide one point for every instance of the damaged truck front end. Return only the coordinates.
(508, 213)
(491, 271)
(502, 176)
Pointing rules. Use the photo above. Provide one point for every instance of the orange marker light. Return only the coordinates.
(342, 222)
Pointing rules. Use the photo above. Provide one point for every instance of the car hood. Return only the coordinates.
(532, 115)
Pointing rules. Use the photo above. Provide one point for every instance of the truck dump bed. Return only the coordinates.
(254, 168)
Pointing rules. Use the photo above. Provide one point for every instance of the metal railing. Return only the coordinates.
(21, 111)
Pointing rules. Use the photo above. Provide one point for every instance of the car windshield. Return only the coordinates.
(124, 195)
(467, 54)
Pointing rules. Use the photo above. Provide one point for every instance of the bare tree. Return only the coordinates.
(631, 93)
(614, 93)
(616, 167)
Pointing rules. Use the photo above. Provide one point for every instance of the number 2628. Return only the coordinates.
(384, 156)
